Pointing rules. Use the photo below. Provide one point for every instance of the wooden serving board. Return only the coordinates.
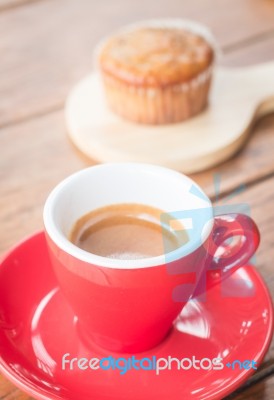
(238, 97)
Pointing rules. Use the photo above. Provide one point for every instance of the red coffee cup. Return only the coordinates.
(130, 305)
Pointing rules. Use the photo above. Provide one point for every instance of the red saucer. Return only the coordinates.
(37, 327)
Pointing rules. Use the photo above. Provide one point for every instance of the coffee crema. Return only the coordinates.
(126, 231)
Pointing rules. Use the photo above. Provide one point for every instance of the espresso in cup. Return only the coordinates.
(127, 232)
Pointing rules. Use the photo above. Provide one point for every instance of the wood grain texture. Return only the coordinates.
(50, 46)
(6, 5)
(249, 54)
(251, 164)
(9, 392)
(263, 374)
(263, 390)
(39, 157)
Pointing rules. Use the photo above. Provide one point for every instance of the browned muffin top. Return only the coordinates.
(155, 56)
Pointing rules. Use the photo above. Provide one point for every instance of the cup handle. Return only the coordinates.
(233, 241)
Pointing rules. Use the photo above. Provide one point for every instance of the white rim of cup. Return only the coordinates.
(67, 246)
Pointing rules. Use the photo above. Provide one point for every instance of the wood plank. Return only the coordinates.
(263, 374)
(263, 390)
(9, 392)
(50, 46)
(10, 4)
(35, 157)
(252, 163)
(250, 53)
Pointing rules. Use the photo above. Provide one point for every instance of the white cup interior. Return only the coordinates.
(107, 184)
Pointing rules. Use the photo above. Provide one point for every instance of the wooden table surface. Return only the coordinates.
(46, 47)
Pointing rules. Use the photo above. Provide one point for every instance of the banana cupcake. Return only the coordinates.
(157, 72)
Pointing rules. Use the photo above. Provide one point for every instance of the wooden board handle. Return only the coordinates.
(238, 97)
(262, 77)
(265, 108)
